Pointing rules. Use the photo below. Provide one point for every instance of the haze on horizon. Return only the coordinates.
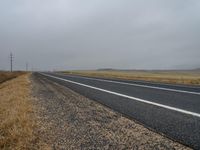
(92, 34)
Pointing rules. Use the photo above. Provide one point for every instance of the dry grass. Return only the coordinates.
(16, 115)
(175, 77)
(4, 75)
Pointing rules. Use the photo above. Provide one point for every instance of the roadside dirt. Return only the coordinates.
(67, 120)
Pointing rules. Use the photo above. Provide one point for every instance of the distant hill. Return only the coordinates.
(106, 69)
(197, 69)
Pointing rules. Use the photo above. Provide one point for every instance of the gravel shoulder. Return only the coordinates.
(67, 120)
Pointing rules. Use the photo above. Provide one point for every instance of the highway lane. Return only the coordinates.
(171, 96)
(149, 105)
(188, 88)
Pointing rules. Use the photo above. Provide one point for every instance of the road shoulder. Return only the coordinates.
(71, 121)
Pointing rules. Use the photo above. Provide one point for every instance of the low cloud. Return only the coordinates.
(132, 34)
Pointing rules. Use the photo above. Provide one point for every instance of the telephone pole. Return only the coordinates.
(26, 66)
(11, 62)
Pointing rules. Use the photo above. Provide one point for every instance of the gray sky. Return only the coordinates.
(91, 34)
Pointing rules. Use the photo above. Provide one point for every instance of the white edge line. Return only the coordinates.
(139, 85)
(130, 97)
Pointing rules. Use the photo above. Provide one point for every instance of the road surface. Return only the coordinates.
(168, 109)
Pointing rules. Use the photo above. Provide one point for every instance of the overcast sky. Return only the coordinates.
(91, 34)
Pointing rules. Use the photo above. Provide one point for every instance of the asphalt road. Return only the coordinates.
(168, 109)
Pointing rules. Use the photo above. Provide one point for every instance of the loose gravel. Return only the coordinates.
(67, 120)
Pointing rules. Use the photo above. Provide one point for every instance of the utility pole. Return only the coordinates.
(26, 66)
(11, 62)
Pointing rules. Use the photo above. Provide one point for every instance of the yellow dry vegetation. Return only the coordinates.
(175, 77)
(5, 75)
(17, 123)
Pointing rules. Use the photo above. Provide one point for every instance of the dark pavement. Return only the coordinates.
(169, 109)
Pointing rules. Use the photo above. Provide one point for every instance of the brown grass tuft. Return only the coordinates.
(16, 115)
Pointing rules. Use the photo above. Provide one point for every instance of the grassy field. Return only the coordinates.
(4, 75)
(16, 113)
(175, 77)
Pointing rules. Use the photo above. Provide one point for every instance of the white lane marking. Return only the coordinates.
(138, 85)
(130, 97)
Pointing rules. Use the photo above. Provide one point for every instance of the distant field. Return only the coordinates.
(4, 75)
(175, 77)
